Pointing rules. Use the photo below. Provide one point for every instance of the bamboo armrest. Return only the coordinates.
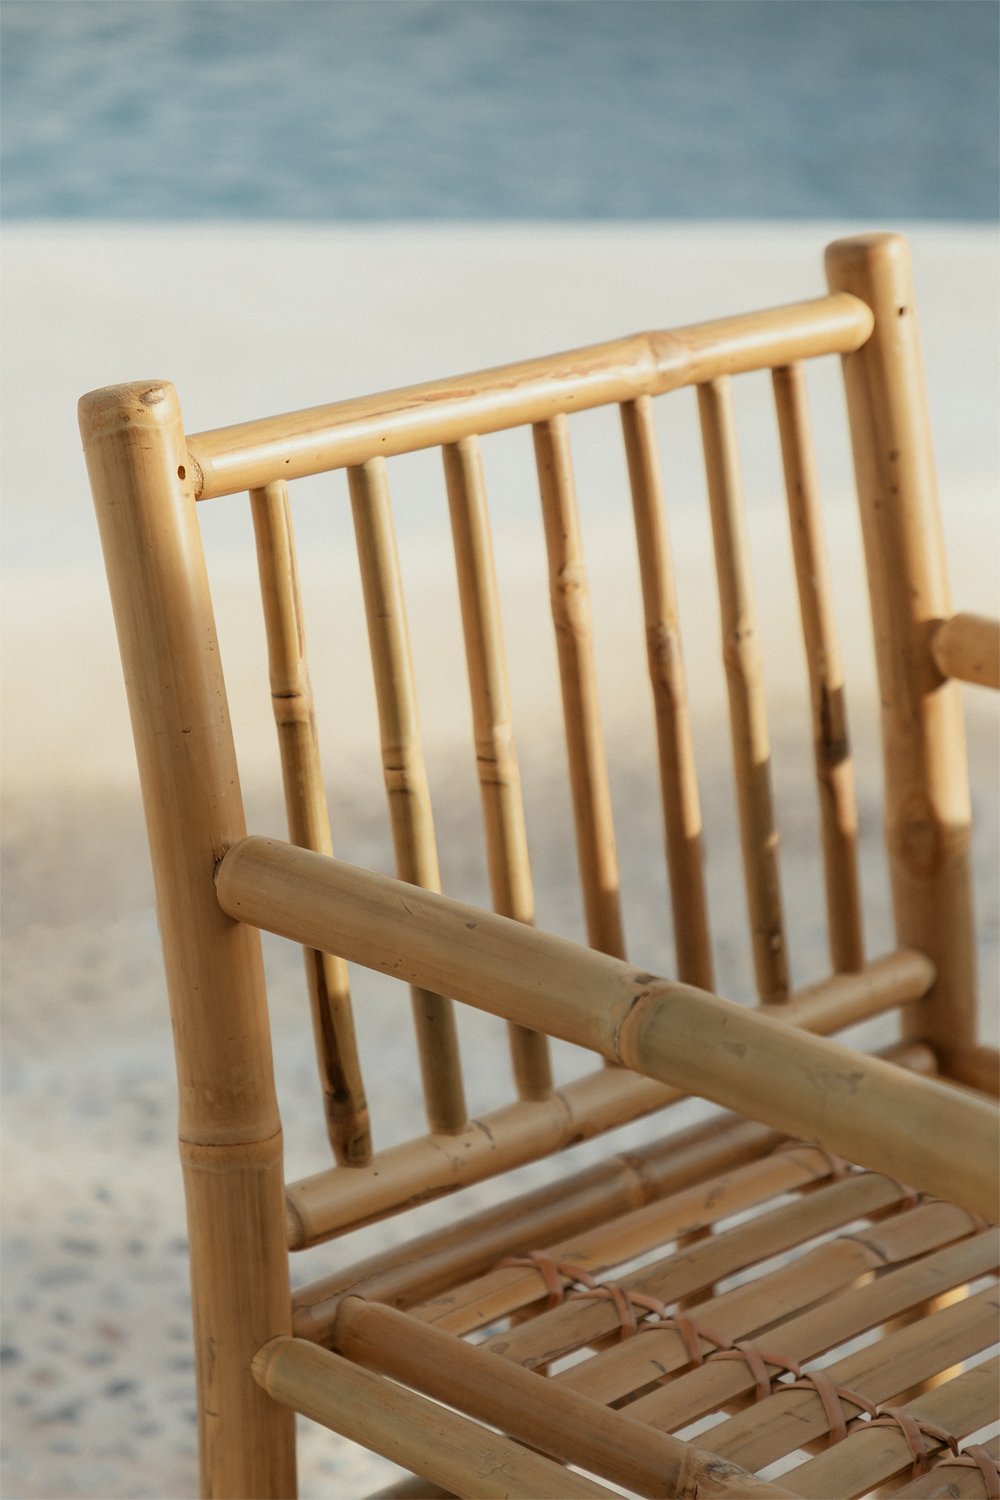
(926, 1134)
(968, 647)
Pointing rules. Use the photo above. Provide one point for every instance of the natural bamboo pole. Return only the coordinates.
(881, 1371)
(308, 818)
(471, 1246)
(834, 769)
(462, 1456)
(230, 1132)
(869, 1458)
(496, 757)
(508, 1289)
(576, 1323)
(860, 1107)
(979, 1068)
(678, 779)
(330, 1202)
(968, 647)
(588, 773)
(927, 796)
(845, 1312)
(252, 454)
(404, 772)
(741, 654)
(547, 1416)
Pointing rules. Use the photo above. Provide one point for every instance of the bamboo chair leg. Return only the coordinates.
(230, 1133)
(923, 738)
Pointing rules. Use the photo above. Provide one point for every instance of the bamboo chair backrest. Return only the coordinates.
(867, 317)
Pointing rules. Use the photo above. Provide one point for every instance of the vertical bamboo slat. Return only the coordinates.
(678, 779)
(404, 772)
(308, 819)
(741, 654)
(834, 768)
(595, 837)
(927, 814)
(496, 757)
(230, 1132)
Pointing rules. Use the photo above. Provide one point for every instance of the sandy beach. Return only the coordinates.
(97, 1366)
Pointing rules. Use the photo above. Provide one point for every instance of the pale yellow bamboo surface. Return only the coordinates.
(858, 1106)
(833, 1275)
(404, 772)
(557, 1420)
(927, 812)
(597, 856)
(462, 1456)
(834, 768)
(308, 817)
(230, 1132)
(748, 719)
(330, 1201)
(968, 647)
(678, 779)
(250, 455)
(496, 756)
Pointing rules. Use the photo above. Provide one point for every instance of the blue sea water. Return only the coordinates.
(341, 110)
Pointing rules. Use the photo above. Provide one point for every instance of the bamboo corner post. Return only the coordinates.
(927, 816)
(230, 1132)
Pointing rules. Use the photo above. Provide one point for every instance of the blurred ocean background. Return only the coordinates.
(345, 110)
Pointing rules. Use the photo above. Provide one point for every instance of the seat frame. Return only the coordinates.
(259, 1351)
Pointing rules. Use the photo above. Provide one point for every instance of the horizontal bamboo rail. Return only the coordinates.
(953, 1478)
(858, 1106)
(250, 455)
(331, 1202)
(547, 1416)
(449, 1449)
(468, 1247)
(968, 647)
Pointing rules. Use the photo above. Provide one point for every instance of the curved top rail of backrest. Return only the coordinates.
(250, 455)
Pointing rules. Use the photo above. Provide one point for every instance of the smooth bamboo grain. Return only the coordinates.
(822, 1272)
(597, 857)
(748, 720)
(344, 1100)
(471, 1246)
(788, 1419)
(508, 1289)
(968, 647)
(460, 1455)
(866, 1459)
(940, 1139)
(404, 773)
(678, 778)
(949, 1480)
(230, 1132)
(696, 1268)
(496, 756)
(979, 1068)
(831, 746)
(331, 1202)
(250, 455)
(556, 1420)
(927, 813)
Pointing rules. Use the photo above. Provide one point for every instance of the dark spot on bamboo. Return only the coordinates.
(181, 472)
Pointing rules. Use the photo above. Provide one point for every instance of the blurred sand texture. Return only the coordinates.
(97, 1366)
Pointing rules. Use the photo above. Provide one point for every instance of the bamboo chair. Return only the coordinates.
(496, 1357)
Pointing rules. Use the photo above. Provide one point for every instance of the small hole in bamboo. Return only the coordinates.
(181, 472)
